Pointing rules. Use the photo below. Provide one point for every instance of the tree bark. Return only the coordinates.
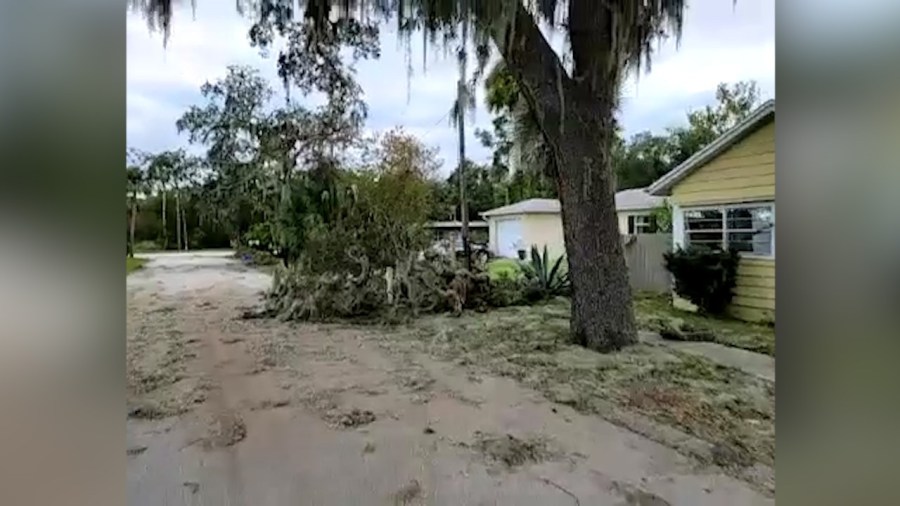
(575, 117)
(602, 310)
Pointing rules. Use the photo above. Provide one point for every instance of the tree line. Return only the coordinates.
(520, 168)
(214, 201)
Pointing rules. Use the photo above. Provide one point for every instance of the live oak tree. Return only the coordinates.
(573, 99)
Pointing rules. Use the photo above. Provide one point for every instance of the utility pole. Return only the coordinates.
(461, 127)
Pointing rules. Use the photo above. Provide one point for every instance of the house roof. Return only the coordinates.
(456, 224)
(637, 199)
(762, 115)
(530, 206)
(626, 200)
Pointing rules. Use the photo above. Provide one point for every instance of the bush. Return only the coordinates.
(506, 290)
(543, 278)
(704, 276)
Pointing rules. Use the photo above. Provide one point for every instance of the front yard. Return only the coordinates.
(731, 410)
(653, 311)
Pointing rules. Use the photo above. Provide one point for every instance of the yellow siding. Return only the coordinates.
(754, 295)
(745, 172)
(544, 229)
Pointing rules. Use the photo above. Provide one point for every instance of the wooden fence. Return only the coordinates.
(644, 257)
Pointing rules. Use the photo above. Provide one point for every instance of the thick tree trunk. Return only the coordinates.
(576, 120)
(602, 309)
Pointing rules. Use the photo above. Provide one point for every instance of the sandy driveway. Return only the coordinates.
(227, 411)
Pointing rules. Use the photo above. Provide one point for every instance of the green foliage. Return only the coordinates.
(545, 279)
(504, 267)
(132, 264)
(379, 211)
(506, 289)
(662, 216)
(647, 156)
(705, 276)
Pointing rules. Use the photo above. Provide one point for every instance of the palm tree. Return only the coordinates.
(160, 175)
(136, 186)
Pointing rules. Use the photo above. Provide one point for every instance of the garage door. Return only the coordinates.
(509, 237)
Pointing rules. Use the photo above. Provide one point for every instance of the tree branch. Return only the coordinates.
(535, 66)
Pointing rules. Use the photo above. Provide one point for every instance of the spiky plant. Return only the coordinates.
(545, 278)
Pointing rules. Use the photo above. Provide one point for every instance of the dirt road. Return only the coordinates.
(230, 411)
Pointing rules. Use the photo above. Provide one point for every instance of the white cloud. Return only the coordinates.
(721, 43)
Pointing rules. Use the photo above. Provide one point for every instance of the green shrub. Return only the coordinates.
(505, 290)
(705, 276)
(543, 278)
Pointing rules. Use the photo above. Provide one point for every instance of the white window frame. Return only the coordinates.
(641, 223)
(683, 230)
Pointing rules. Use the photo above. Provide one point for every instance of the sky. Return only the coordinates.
(722, 41)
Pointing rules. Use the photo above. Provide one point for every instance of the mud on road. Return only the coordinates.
(228, 411)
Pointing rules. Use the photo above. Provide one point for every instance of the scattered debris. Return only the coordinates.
(193, 486)
(511, 451)
(228, 429)
(136, 450)
(732, 454)
(563, 489)
(369, 448)
(270, 404)
(428, 430)
(353, 418)
(408, 493)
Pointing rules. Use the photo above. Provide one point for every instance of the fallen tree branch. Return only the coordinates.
(548, 481)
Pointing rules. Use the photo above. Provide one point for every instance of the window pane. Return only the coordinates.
(703, 220)
(757, 243)
(750, 229)
(750, 218)
(713, 239)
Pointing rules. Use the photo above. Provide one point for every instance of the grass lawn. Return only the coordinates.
(133, 263)
(732, 410)
(500, 267)
(650, 309)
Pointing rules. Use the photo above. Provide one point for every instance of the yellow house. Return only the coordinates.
(725, 195)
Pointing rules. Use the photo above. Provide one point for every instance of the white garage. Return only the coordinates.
(508, 237)
(534, 222)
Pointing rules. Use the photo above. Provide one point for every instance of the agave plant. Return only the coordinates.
(546, 279)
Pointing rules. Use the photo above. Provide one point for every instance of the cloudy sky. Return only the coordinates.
(722, 42)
